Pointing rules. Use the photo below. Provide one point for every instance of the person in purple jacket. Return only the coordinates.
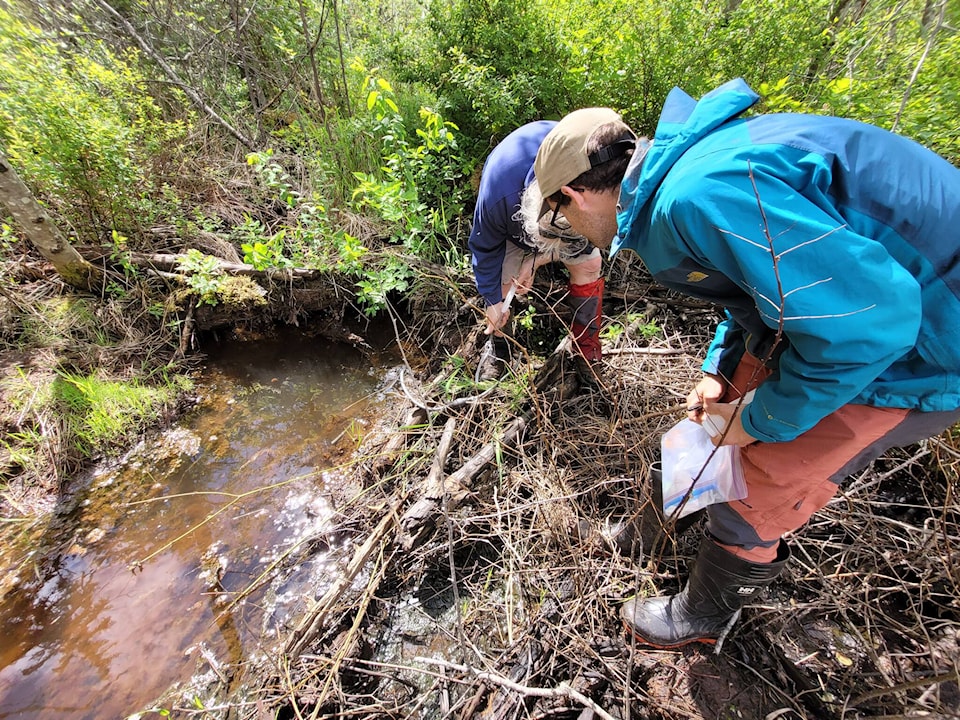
(505, 254)
(834, 247)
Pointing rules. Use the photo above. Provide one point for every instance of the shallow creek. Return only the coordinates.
(121, 592)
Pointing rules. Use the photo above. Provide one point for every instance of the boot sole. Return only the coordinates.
(657, 646)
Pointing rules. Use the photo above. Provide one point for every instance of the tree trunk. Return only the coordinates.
(42, 233)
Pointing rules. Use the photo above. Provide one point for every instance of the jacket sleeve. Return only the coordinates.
(725, 350)
(844, 308)
(488, 244)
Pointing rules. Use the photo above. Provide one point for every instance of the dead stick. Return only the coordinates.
(459, 482)
(919, 682)
(313, 622)
(644, 351)
(562, 690)
(368, 593)
(418, 519)
(443, 449)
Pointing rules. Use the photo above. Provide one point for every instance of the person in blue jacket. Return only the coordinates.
(505, 254)
(834, 247)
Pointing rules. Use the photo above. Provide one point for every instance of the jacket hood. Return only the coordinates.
(683, 121)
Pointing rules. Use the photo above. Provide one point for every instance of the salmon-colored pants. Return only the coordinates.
(788, 482)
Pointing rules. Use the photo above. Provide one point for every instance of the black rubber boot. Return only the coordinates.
(720, 584)
(648, 531)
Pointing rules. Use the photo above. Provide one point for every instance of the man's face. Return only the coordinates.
(592, 214)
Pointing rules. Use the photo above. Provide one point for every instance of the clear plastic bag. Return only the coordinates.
(685, 449)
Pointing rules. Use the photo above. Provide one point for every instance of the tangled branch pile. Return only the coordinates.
(481, 583)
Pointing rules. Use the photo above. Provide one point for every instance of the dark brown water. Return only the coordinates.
(127, 588)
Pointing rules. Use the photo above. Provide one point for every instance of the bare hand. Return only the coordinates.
(728, 415)
(709, 390)
(496, 318)
(524, 281)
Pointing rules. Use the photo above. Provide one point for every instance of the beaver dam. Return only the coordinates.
(476, 579)
(469, 572)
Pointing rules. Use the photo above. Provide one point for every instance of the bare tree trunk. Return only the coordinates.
(928, 11)
(311, 48)
(247, 64)
(42, 233)
(343, 65)
(312, 57)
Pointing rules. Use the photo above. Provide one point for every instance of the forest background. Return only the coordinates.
(195, 153)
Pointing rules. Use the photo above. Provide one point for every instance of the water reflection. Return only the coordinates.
(143, 565)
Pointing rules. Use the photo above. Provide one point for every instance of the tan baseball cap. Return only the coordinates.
(562, 156)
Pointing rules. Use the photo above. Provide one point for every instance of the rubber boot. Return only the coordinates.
(587, 304)
(647, 532)
(719, 585)
(495, 355)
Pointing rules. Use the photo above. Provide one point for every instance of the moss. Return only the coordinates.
(80, 275)
(241, 292)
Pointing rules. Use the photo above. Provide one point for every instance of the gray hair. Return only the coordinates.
(561, 242)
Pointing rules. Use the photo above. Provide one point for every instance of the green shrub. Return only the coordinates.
(80, 128)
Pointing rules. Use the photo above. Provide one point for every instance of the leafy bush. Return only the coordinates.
(79, 128)
(203, 276)
(630, 56)
(497, 65)
(418, 189)
(900, 64)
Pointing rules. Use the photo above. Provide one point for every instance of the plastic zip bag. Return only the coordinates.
(685, 450)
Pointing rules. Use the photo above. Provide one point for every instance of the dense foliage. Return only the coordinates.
(130, 116)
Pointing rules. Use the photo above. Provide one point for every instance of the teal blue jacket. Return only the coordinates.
(833, 246)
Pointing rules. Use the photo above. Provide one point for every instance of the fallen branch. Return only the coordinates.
(420, 517)
(644, 351)
(171, 262)
(561, 690)
(443, 449)
(949, 676)
(315, 620)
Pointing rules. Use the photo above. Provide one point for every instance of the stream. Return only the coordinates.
(138, 580)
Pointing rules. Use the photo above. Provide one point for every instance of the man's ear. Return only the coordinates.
(576, 197)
